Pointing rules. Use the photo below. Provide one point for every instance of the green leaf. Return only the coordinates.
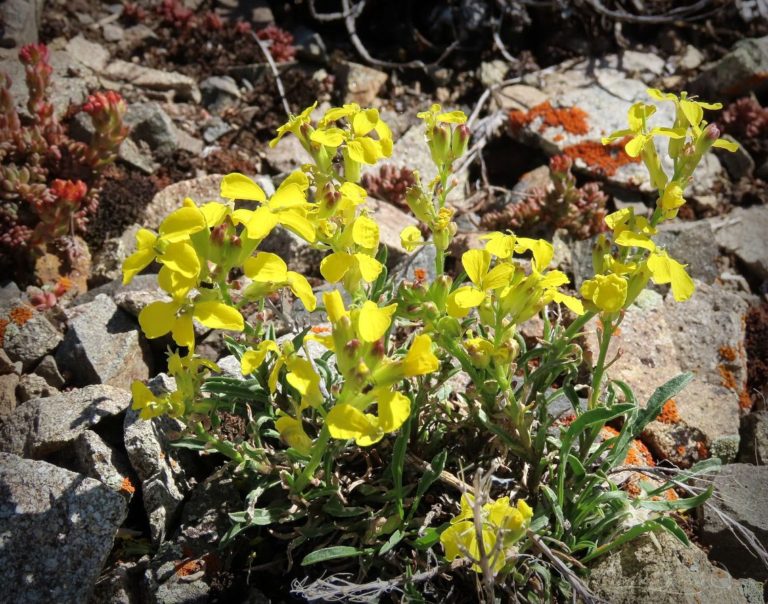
(593, 417)
(660, 396)
(551, 498)
(634, 532)
(431, 473)
(664, 505)
(393, 540)
(331, 553)
(428, 539)
(672, 527)
(335, 508)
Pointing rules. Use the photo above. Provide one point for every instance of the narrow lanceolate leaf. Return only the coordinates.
(331, 553)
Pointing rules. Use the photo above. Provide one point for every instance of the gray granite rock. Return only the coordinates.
(204, 521)
(741, 491)
(158, 465)
(33, 386)
(21, 21)
(740, 71)
(56, 530)
(753, 447)
(49, 371)
(103, 345)
(359, 84)
(219, 92)
(742, 233)
(201, 190)
(183, 87)
(287, 156)
(108, 261)
(96, 459)
(31, 341)
(661, 570)
(8, 383)
(45, 425)
(150, 124)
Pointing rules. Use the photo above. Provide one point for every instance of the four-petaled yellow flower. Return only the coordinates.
(345, 421)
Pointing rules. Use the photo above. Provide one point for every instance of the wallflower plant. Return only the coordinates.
(362, 425)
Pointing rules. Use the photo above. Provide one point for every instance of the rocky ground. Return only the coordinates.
(98, 506)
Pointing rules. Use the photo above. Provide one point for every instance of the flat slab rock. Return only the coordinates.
(43, 426)
(56, 531)
(662, 570)
(662, 338)
(741, 491)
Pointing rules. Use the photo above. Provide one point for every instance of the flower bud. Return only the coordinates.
(460, 141)
(440, 145)
(419, 204)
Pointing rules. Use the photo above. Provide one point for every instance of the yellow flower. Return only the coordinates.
(606, 292)
(671, 200)
(420, 359)
(170, 247)
(477, 266)
(287, 207)
(253, 358)
(351, 268)
(500, 244)
(668, 270)
(637, 116)
(630, 230)
(294, 124)
(345, 421)
(498, 521)
(160, 318)
(373, 322)
(292, 432)
(269, 273)
(411, 238)
(480, 351)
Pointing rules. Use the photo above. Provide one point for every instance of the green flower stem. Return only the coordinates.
(318, 450)
(222, 447)
(597, 375)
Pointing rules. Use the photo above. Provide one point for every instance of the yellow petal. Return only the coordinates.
(365, 233)
(667, 270)
(476, 263)
(252, 359)
(468, 297)
(543, 251)
(373, 321)
(218, 315)
(261, 223)
(452, 117)
(499, 244)
(137, 262)
(329, 137)
(266, 268)
(692, 112)
(631, 239)
(214, 213)
(420, 359)
(726, 144)
(618, 218)
(292, 432)
(182, 223)
(290, 195)
(239, 186)
(334, 266)
(175, 283)
(157, 318)
(394, 409)
(299, 224)
(365, 121)
(345, 422)
(635, 146)
(370, 268)
(498, 276)
(411, 238)
(182, 258)
(302, 290)
(334, 305)
(183, 331)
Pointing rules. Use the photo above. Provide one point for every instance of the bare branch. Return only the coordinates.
(273, 68)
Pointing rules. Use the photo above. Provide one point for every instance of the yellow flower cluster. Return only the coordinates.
(501, 526)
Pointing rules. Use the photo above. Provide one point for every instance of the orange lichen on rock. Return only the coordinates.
(637, 455)
(729, 380)
(606, 158)
(669, 413)
(21, 314)
(728, 354)
(190, 567)
(745, 400)
(127, 486)
(701, 450)
(570, 119)
(3, 325)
